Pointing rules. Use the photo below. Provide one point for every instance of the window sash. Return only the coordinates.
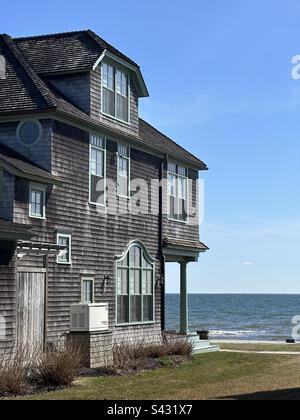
(177, 192)
(123, 170)
(97, 170)
(87, 290)
(64, 240)
(37, 202)
(115, 92)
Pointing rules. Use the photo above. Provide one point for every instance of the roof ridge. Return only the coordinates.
(173, 141)
(49, 35)
(35, 79)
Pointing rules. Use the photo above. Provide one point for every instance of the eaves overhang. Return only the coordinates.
(88, 124)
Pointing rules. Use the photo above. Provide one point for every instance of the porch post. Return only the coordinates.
(183, 299)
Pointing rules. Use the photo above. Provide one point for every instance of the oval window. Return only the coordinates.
(29, 132)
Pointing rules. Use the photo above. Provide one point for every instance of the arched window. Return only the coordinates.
(135, 286)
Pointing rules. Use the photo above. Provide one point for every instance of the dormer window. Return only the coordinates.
(115, 92)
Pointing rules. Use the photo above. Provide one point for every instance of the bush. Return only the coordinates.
(15, 372)
(59, 365)
(128, 356)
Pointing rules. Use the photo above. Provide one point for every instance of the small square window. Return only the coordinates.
(37, 199)
(65, 256)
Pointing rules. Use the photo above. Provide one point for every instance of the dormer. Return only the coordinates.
(91, 74)
(116, 86)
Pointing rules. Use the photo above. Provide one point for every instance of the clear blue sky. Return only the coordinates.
(219, 75)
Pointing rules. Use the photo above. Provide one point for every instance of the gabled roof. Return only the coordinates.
(15, 164)
(24, 90)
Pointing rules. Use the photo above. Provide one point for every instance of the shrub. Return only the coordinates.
(128, 356)
(59, 365)
(15, 372)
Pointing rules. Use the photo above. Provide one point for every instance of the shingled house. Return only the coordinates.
(76, 226)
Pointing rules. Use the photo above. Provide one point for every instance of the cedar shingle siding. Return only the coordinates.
(54, 76)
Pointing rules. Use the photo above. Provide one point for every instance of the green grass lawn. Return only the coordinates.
(261, 347)
(210, 376)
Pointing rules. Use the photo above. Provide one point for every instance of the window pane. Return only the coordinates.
(148, 308)
(123, 309)
(108, 76)
(172, 180)
(37, 203)
(97, 162)
(135, 256)
(182, 187)
(172, 167)
(123, 281)
(172, 212)
(108, 102)
(64, 241)
(97, 190)
(122, 108)
(182, 171)
(123, 150)
(182, 213)
(87, 291)
(123, 166)
(121, 83)
(97, 141)
(135, 308)
(135, 282)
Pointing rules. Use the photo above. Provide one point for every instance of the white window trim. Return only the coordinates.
(171, 219)
(43, 189)
(104, 170)
(150, 260)
(82, 280)
(129, 170)
(115, 67)
(68, 236)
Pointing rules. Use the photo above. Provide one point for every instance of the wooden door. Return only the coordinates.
(31, 309)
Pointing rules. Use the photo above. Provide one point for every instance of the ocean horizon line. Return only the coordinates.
(237, 294)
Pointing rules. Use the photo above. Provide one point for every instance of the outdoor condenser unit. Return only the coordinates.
(89, 317)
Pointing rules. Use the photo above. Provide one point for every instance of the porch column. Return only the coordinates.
(183, 299)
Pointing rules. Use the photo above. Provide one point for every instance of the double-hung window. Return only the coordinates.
(65, 256)
(135, 287)
(37, 201)
(177, 192)
(97, 170)
(115, 92)
(123, 170)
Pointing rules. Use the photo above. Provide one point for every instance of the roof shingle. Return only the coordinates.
(65, 52)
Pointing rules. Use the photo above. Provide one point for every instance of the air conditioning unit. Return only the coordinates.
(89, 317)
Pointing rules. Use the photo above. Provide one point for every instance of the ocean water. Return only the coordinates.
(237, 317)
